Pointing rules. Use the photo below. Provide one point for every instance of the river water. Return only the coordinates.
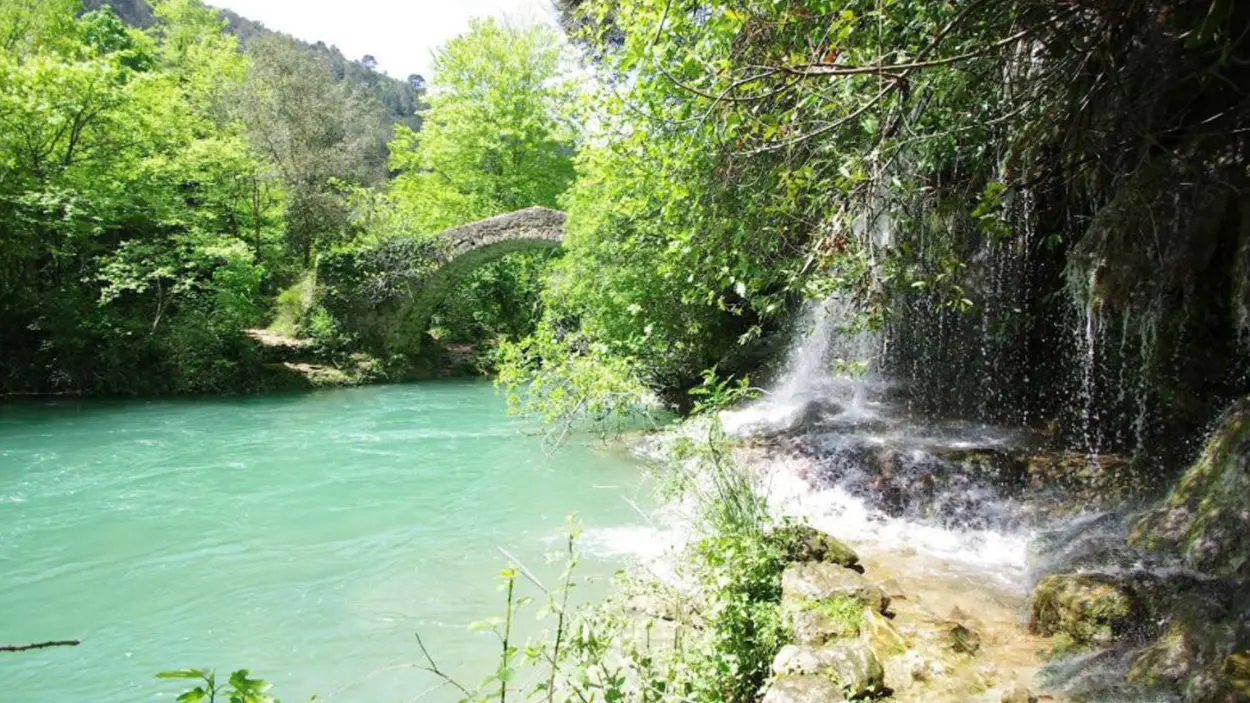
(304, 536)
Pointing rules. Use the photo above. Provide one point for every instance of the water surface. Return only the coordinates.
(304, 536)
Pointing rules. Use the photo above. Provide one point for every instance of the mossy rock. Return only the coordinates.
(821, 581)
(1206, 516)
(1168, 661)
(806, 543)
(818, 621)
(878, 631)
(1087, 609)
(1199, 655)
(1236, 670)
(960, 639)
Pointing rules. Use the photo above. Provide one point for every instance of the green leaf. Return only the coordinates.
(183, 674)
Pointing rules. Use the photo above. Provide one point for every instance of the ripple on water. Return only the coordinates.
(302, 536)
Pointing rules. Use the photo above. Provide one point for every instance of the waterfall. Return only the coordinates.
(828, 375)
(953, 509)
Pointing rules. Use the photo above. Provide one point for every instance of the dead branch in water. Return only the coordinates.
(38, 645)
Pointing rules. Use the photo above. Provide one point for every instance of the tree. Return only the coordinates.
(495, 138)
(314, 132)
(120, 201)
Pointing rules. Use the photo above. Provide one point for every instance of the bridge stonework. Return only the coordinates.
(471, 246)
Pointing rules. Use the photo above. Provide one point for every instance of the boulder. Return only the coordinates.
(1199, 654)
(1207, 514)
(1090, 609)
(806, 543)
(824, 581)
(851, 664)
(803, 689)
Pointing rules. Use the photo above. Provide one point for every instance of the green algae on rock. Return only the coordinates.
(802, 543)
(1207, 514)
(1090, 609)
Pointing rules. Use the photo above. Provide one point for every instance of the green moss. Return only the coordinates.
(801, 543)
(1062, 644)
(843, 615)
(1202, 519)
(1090, 609)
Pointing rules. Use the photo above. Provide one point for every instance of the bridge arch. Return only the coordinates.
(471, 246)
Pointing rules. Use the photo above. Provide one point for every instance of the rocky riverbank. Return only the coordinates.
(1174, 607)
(1075, 588)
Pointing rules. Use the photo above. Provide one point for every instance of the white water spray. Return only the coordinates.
(828, 375)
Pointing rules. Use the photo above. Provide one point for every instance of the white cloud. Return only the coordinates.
(400, 34)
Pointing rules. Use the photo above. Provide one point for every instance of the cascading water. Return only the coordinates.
(826, 375)
(954, 511)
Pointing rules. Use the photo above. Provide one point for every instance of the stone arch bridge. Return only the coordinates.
(471, 246)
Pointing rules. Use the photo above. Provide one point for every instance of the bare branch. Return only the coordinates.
(433, 668)
(38, 645)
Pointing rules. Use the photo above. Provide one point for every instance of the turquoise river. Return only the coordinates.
(303, 536)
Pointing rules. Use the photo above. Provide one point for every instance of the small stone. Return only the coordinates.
(1019, 694)
(962, 640)
(803, 689)
(822, 581)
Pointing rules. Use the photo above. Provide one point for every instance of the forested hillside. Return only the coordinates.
(402, 98)
(165, 189)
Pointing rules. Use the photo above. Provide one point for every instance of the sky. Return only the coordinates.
(400, 34)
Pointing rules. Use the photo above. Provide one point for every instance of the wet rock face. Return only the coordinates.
(1206, 517)
(958, 490)
(988, 487)
(1198, 651)
(1090, 609)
